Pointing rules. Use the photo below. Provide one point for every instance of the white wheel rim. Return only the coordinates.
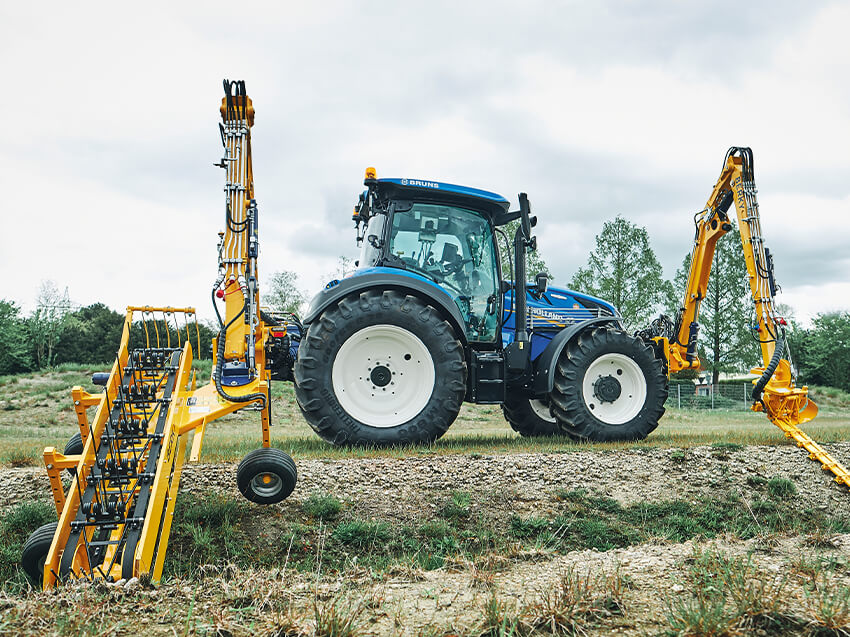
(630, 378)
(541, 410)
(383, 375)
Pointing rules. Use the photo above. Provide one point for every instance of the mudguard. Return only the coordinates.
(543, 375)
(414, 285)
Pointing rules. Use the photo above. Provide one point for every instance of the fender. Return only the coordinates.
(543, 376)
(414, 285)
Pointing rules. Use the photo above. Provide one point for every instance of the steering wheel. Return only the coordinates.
(438, 273)
(456, 266)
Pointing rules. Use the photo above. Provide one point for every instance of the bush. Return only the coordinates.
(322, 506)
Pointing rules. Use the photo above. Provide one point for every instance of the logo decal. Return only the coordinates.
(420, 183)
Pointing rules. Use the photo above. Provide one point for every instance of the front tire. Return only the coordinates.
(530, 417)
(380, 368)
(609, 386)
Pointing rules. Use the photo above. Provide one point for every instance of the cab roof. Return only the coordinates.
(423, 190)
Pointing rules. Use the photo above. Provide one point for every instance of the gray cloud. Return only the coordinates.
(594, 109)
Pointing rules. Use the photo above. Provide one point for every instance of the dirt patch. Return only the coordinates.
(398, 488)
(407, 600)
(450, 601)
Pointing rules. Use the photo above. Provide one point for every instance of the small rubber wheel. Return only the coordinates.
(530, 417)
(34, 553)
(266, 476)
(74, 447)
(609, 386)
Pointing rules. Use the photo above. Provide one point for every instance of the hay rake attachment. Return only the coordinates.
(115, 517)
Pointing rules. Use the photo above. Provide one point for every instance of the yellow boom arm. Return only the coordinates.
(736, 185)
(775, 393)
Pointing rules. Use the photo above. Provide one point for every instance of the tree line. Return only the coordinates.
(622, 268)
(56, 332)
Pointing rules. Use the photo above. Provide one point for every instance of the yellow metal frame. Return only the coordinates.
(786, 405)
(191, 408)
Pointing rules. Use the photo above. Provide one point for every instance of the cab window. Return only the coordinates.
(454, 247)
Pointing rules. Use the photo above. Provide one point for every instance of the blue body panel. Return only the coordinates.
(551, 313)
(378, 270)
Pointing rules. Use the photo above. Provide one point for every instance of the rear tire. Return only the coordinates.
(74, 447)
(609, 386)
(530, 417)
(380, 368)
(266, 476)
(34, 553)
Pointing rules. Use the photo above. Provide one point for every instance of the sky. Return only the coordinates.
(592, 108)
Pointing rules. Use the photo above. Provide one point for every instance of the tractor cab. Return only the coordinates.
(442, 233)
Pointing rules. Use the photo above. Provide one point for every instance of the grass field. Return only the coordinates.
(36, 411)
(333, 563)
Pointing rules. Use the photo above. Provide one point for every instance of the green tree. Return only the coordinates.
(624, 270)
(534, 262)
(283, 294)
(725, 341)
(344, 267)
(48, 321)
(824, 351)
(14, 349)
(92, 335)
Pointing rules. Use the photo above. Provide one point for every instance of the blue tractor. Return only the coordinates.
(429, 320)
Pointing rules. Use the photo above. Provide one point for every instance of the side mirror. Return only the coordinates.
(542, 283)
(525, 215)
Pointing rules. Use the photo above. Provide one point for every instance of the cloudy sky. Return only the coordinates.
(594, 108)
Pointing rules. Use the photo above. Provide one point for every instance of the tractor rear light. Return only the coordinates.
(278, 333)
(781, 321)
(219, 293)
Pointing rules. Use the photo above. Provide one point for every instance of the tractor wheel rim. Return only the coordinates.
(632, 383)
(383, 375)
(266, 485)
(541, 409)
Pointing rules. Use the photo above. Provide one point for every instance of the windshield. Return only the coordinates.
(453, 247)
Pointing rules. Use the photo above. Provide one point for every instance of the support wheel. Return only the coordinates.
(608, 386)
(530, 417)
(34, 553)
(380, 368)
(74, 447)
(266, 476)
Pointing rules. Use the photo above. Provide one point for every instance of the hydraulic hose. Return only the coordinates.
(219, 364)
(770, 369)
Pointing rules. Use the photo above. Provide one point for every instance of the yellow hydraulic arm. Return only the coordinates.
(115, 518)
(774, 393)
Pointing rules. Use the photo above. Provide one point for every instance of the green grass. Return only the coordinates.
(224, 529)
(457, 506)
(779, 487)
(36, 411)
(15, 527)
(322, 506)
(205, 530)
(728, 595)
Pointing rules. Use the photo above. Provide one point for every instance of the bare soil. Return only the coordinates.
(450, 600)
